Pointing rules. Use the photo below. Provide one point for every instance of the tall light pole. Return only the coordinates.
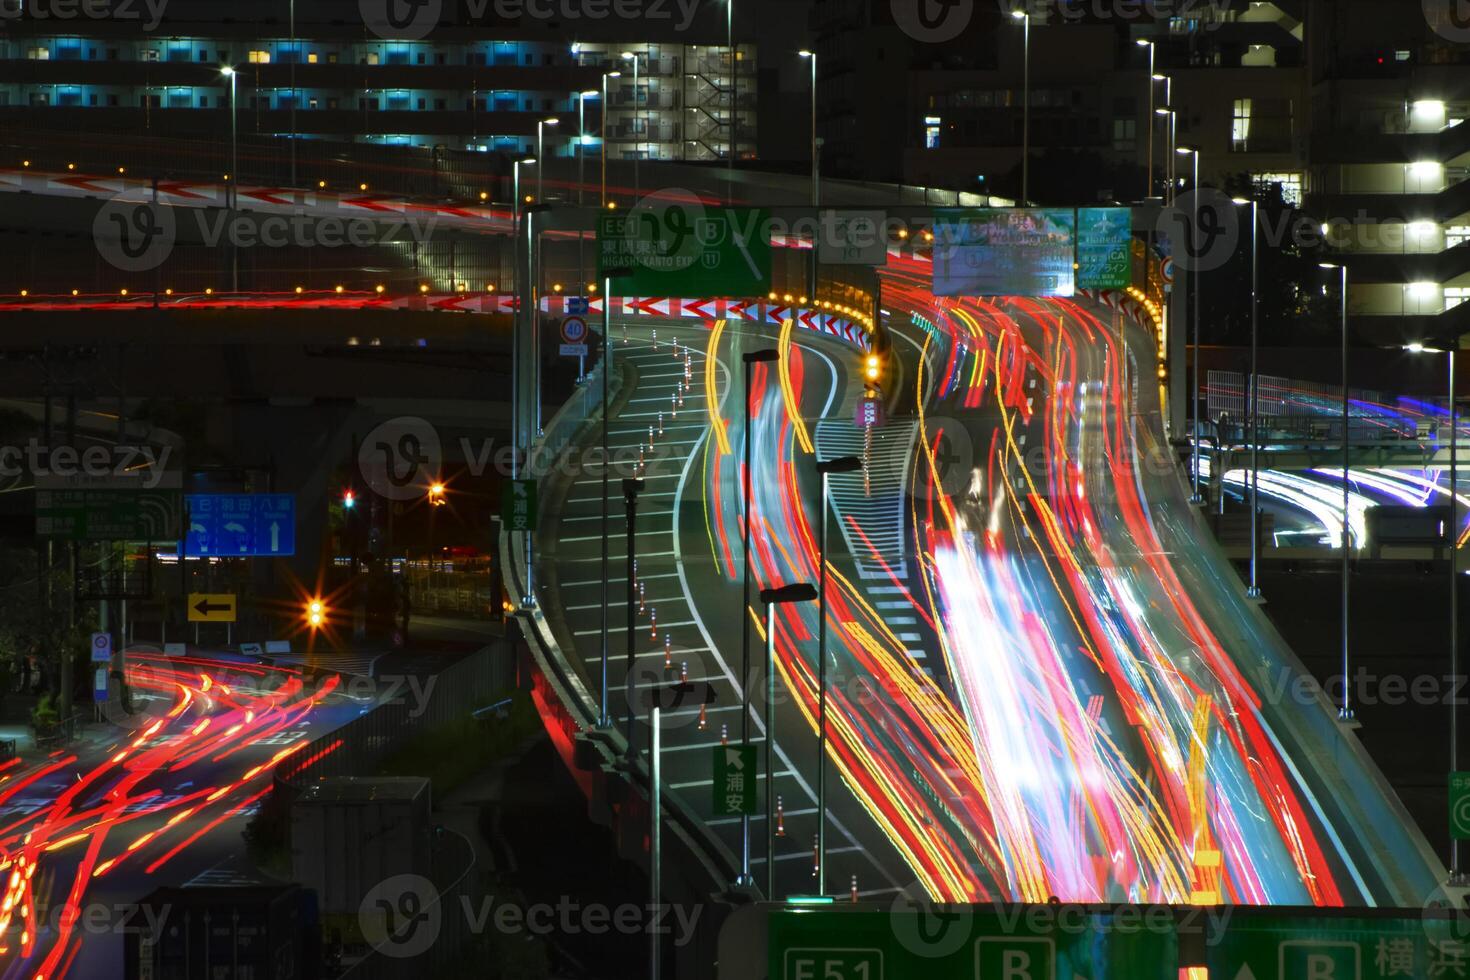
(637, 103)
(582, 98)
(232, 195)
(1167, 112)
(1144, 42)
(816, 176)
(1254, 590)
(763, 356)
(734, 88)
(605, 76)
(541, 125)
(515, 334)
(1345, 711)
(1024, 17)
(295, 93)
(799, 592)
(1197, 497)
(841, 464)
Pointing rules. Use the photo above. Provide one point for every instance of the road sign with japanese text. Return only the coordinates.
(686, 250)
(1460, 805)
(518, 505)
(735, 779)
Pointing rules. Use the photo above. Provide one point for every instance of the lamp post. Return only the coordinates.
(1197, 497)
(799, 592)
(841, 464)
(1024, 17)
(1345, 711)
(734, 88)
(816, 175)
(515, 357)
(1144, 42)
(582, 98)
(1254, 590)
(1167, 112)
(541, 125)
(232, 196)
(605, 76)
(637, 102)
(1452, 542)
(603, 720)
(763, 356)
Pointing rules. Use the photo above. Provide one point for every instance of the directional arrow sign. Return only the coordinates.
(211, 607)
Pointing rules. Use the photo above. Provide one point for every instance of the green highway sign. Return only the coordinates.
(687, 250)
(735, 779)
(1104, 248)
(1460, 805)
(518, 505)
(109, 515)
(1272, 946)
(974, 942)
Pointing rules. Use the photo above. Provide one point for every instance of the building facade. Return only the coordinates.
(321, 72)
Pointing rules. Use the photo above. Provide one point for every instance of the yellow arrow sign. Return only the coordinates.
(205, 607)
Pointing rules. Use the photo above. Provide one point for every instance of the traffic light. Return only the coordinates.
(436, 495)
(349, 499)
(872, 368)
(316, 613)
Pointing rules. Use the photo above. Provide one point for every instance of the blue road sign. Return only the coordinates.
(578, 306)
(241, 524)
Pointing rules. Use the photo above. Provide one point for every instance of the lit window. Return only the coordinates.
(311, 57)
(1240, 125)
(38, 54)
(1456, 235)
(372, 58)
(931, 132)
(1290, 183)
(1455, 295)
(260, 57)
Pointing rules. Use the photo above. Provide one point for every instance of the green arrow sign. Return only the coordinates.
(108, 515)
(735, 780)
(1037, 942)
(1460, 805)
(676, 249)
(518, 505)
(1267, 945)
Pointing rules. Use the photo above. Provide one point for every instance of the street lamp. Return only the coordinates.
(541, 125)
(1168, 113)
(582, 98)
(637, 102)
(1144, 42)
(603, 719)
(232, 195)
(1345, 712)
(763, 356)
(515, 358)
(799, 592)
(841, 464)
(605, 76)
(816, 172)
(1254, 590)
(1453, 543)
(631, 489)
(1025, 18)
(1197, 498)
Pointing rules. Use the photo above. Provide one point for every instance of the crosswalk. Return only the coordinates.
(873, 499)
